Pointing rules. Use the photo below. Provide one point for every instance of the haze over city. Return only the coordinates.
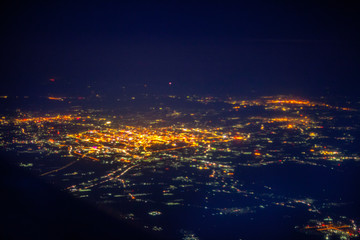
(179, 120)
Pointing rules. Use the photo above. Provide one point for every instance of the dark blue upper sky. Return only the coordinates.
(219, 47)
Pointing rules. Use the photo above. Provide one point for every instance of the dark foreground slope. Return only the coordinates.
(32, 209)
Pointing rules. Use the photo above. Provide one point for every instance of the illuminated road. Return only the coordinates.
(69, 164)
(61, 168)
(108, 177)
(328, 227)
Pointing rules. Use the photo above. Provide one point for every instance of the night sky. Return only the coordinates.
(207, 47)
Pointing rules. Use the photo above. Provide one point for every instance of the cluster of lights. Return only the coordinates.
(57, 118)
(141, 141)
